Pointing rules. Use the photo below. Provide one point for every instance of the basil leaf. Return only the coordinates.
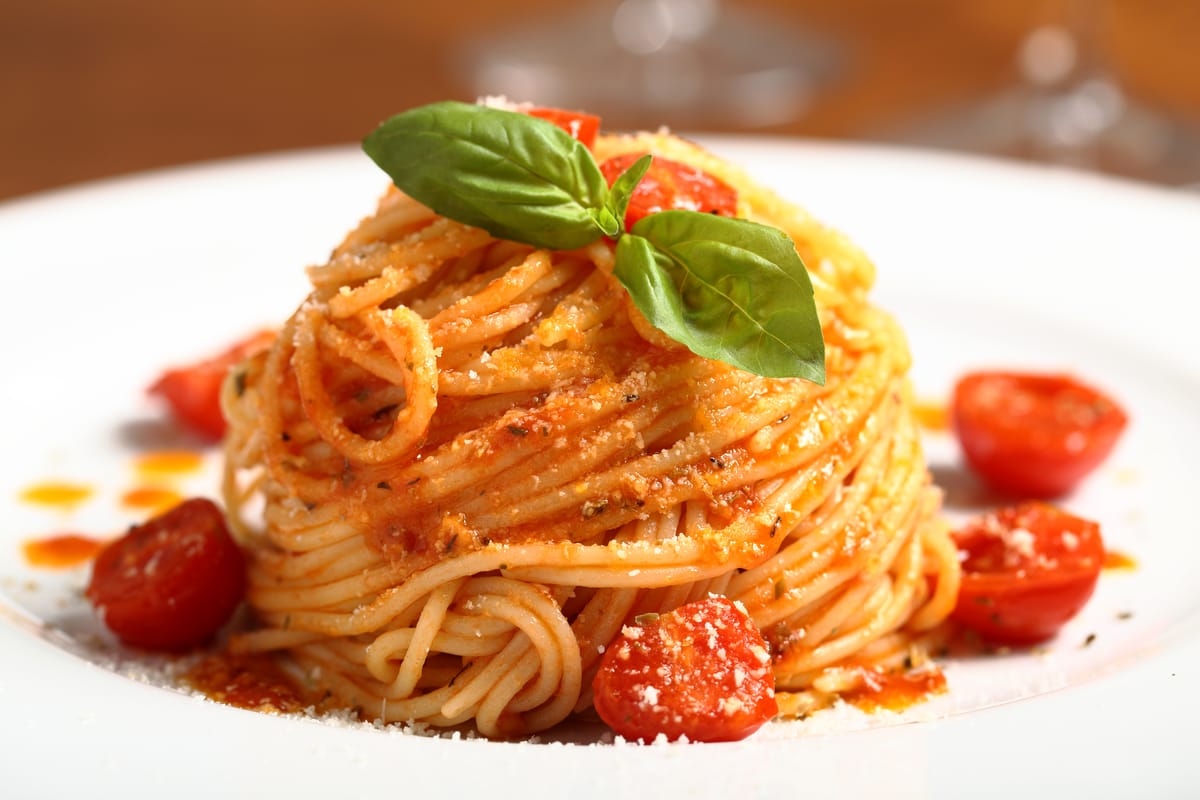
(728, 289)
(515, 176)
(622, 189)
(607, 222)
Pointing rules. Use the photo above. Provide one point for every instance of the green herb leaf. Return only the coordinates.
(622, 189)
(607, 222)
(515, 176)
(728, 289)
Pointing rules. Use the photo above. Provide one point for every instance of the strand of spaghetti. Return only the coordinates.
(476, 687)
(804, 493)
(940, 547)
(837, 614)
(296, 529)
(474, 330)
(362, 351)
(680, 560)
(599, 620)
(432, 614)
(331, 562)
(460, 281)
(427, 248)
(536, 614)
(542, 371)
(841, 647)
(502, 291)
(452, 463)
(396, 329)
(396, 213)
(790, 606)
(357, 691)
(321, 595)
(492, 716)
(373, 270)
(578, 317)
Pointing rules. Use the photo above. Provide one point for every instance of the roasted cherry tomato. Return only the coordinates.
(194, 392)
(1033, 435)
(701, 671)
(671, 185)
(1027, 570)
(581, 126)
(171, 583)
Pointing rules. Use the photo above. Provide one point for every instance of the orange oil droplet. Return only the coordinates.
(1117, 560)
(151, 497)
(57, 494)
(61, 550)
(932, 415)
(896, 691)
(168, 462)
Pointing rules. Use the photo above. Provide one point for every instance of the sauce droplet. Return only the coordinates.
(1117, 560)
(896, 691)
(169, 462)
(253, 682)
(61, 550)
(151, 497)
(932, 415)
(57, 494)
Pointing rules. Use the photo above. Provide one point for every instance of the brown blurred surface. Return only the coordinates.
(92, 89)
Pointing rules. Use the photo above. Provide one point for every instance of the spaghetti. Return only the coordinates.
(466, 462)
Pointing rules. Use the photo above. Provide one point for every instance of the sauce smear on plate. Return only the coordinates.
(61, 551)
(252, 682)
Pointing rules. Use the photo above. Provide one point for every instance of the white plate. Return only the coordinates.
(985, 263)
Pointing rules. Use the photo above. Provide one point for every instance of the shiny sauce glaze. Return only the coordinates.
(1115, 560)
(252, 682)
(895, 691)
(153, 498)
(61, 550)
(63, 495)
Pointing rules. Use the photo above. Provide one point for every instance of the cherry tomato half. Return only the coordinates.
(1033, 435)
(194, 392)
(171, 583)
(671, 185)
(702, 671)
(580, 125)
(1028, 570)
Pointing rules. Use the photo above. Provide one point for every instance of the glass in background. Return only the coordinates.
(1070, 108)
(688, 64)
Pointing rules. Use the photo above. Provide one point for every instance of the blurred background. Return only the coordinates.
(93, 88)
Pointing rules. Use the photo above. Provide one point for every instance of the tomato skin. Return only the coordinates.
(670, 185)
(701, 671)
(194, 392)
(172, 582)
(1028, 570)
(580, 125)
(1031, 435)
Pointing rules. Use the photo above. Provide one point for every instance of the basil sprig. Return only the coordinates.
(728, 289)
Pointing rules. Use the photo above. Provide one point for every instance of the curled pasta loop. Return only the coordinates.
(406, 338)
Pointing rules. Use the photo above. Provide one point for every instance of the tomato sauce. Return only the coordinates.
(151, 497)
(932, 415)
(61, 551)
(895, 691)
(57, 494)
(252, 682)
(168, 462)
(1114, 560)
